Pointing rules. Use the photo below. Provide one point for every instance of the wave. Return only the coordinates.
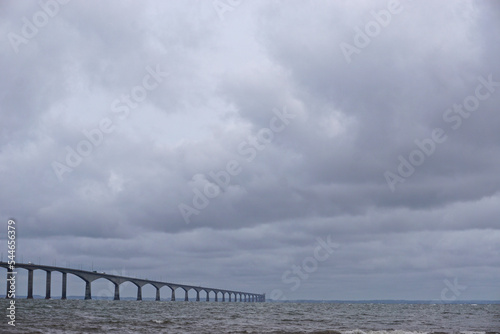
(359, 331)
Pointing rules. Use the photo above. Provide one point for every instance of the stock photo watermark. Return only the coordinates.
(299, 273)
(120, 108)
(223, 6)
(11, 273)
(372, 29)
(426, 147)
(217, 182)
(39, 19)
(452, 290)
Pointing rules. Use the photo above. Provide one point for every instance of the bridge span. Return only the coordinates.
(90, 276)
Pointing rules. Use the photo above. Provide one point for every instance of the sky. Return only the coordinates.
(341, 150)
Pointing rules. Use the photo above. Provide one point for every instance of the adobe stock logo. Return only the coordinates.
(299, 273)
(40, 19)
(218, 182)
(452, 290)
(121, 109)
(363, 37)
(223, 6)
(428, 146)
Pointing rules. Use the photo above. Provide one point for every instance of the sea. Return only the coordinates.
(128, 316)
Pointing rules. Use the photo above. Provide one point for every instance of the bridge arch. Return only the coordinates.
(139, 284)
(172, 288)
(110, 290)
(149, 290)
(208, 294)
(186, 292)
(197, 293)
(216, 292)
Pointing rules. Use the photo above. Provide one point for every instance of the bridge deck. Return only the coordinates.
(90, 276)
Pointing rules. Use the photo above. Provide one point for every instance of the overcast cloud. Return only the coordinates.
(381, 138)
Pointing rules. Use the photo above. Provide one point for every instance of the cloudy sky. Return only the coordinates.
(305, 149)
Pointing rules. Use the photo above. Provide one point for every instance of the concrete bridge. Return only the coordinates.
(90, 276)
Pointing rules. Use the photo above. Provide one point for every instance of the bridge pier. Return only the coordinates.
(240, 297)
(216, 294)
(64, 284)
(30, 283)
(47, 285)
(88, 287)
(208, 297)
(186, 297)
(117, 292)
(223, 296)
(139, 293)
(157, 294)
(230, 297)
(197, 295)
(172, 298)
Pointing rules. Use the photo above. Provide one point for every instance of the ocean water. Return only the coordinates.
(100, 316)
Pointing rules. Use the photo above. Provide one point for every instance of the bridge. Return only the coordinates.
(90, 276)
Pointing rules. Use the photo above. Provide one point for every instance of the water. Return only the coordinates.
(100, 316)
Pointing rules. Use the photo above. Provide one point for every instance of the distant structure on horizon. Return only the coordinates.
(89, 276)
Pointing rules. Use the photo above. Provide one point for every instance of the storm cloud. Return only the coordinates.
(214, 143)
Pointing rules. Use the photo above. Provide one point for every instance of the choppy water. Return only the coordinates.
(99, 316)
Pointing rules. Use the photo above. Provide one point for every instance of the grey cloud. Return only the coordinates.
(323, 174)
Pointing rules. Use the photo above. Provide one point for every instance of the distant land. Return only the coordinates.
(387, 301)
(333, 301)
